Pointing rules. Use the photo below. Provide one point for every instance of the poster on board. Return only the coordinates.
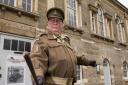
(15, 74)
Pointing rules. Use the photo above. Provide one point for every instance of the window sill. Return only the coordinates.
(19, 11)
(122, 44)
(93, 8)
(102, 37)
(81, 82)
(74, 29)
(125, 79)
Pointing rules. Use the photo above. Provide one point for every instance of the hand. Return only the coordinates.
(40, 80)
(93, 63)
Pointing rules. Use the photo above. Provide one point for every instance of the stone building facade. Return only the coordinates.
(97, 28)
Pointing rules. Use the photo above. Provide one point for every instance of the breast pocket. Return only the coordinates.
(56, 52)
(71, 53)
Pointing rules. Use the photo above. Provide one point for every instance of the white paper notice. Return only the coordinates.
(15, 70)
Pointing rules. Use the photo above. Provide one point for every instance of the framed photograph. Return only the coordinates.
(15, 74)
(15, 71)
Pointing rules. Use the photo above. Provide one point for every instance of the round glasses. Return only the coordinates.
(55, 20)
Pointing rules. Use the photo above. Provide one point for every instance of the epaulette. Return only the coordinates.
(43, 34)
(40, 35)
(65, 36)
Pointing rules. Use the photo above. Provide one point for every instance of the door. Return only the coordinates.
(106, 71)
(13, 65)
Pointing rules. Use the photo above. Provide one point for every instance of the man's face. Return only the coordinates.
(55, 25)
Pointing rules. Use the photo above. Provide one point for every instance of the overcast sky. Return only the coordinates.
(124, 2)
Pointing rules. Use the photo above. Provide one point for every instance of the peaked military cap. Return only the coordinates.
(55, 12)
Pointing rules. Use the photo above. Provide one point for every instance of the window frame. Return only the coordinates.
(127, 27)
(101, 23)
(71, 9)
(20, 45)
(106, 68)
(9, 44)
(125, 70)
(78, 15)
(13, 44)
(120, 30)
(26, 6)
(109, 27)
(17, 49)
(93, 20)
(74, 13)
(8, 2)
(80, 74)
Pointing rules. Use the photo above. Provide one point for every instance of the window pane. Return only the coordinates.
(7, 44)
(101, 22)
(11, 2)
(127, 25)
(94, 22)
(6, 1)
(68, 2)
(125, 70)
(0, 1)
(74, 20)
(106, 71)
(28, 5)
(73, 4)
(14, 45)
(29, 1)
(21, 45)
(28, 8)
(24, 6)
(24, 1)
(78, 72)
(28, 46)
(120, 31)
(71, 12)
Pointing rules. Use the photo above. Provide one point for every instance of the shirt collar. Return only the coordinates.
(53, 36)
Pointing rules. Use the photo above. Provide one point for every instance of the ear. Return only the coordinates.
(62, 24)
(47, 26)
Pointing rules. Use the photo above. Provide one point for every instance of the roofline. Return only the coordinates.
(121, 5)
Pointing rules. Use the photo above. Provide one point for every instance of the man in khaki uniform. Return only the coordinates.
(53, 58)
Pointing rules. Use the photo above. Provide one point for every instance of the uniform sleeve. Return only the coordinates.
(39, 58)
(81, 60)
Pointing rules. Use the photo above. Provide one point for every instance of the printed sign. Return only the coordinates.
(15, 70)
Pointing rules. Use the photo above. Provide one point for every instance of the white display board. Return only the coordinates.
(16, 69)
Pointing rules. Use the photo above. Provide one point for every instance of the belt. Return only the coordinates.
(58, 81)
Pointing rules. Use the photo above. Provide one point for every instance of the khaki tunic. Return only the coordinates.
(52, 56)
